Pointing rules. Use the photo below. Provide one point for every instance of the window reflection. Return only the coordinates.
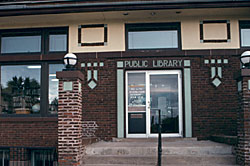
(20, 89)
(57, 43)
(152, 39)
(21, 44)
(164, 96)
(245, 40)
(53, 87)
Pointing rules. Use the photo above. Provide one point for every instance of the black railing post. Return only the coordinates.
(159, 140)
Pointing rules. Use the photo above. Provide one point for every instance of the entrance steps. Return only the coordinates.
(143, 152)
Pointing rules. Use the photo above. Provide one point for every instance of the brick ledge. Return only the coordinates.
(28, 119)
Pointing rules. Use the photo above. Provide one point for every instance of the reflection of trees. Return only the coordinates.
(54, 105)
(21, 93)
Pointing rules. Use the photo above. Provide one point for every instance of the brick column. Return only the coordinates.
(243, 133)
(70, 148)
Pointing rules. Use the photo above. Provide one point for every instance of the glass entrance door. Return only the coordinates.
(165, 96)
(147, 92)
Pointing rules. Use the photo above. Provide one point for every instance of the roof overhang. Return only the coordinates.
(18, 8)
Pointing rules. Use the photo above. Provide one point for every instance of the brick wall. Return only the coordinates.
(243, 149)
(214, 110)
(70, 146)
(99, 104)
(28, 132)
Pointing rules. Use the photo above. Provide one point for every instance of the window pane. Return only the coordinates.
(21, 44)
(136, 91)
(4, 157)
(152, 39)
(1, 158)
(245, 37)
(44, 157)
(20, 89)
(53, 87)
(57, 43)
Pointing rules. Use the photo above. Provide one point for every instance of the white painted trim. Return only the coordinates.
(126, 102)
(147, 104)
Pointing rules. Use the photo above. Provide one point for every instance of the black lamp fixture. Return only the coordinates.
(70, 61)
(245, 59)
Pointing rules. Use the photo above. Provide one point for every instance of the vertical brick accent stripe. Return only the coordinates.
(70, 149)
(243, 149)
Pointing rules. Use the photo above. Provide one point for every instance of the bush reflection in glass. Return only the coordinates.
(20, 89)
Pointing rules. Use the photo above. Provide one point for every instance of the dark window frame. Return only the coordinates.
(43, 32)
(137, 27)
(243, 25)
(44, 90)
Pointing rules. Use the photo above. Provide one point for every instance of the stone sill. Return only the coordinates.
(28, 119)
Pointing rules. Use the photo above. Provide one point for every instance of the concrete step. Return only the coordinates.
(150, 148)
(166, 159)
(220, 150)
(176, 152)
(154, 165)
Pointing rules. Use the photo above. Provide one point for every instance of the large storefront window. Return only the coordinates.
(31, 87)
(25, 90)
(20, 89)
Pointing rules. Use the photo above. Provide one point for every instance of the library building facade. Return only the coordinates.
(133, 59)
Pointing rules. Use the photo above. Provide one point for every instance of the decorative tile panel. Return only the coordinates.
(67, 86)
(216, 82)
(92, 72)
(216, 67)
(187, 63)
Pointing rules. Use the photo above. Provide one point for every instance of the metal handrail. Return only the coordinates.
(159, 140)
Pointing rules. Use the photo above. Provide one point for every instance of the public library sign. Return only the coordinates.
(153, 63)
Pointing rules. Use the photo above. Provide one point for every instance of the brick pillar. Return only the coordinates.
(70, 148)
(243, 133)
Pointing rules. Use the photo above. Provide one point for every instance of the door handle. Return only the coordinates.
(149, 105)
